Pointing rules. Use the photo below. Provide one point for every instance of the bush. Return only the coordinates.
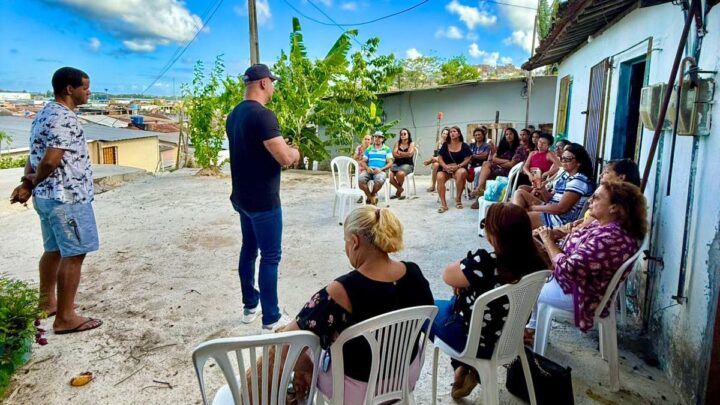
(11, 162)
(18, 312)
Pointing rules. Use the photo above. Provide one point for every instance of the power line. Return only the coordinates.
(179, 55)
(180, 47)
(510, 4)
(353, 24)
(333, 21)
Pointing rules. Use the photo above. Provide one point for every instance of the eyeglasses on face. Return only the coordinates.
(482, 224)
(567, 159)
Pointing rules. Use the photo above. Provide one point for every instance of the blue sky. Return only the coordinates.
(124, 44)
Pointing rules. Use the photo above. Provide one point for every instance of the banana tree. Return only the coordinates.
(302, 87)
(354, 109)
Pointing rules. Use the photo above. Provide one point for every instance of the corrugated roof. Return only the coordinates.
(19, 129)
(466, 83)
(579, 20)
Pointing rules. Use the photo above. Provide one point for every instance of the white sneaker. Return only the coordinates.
(273, 327)
(250, 314)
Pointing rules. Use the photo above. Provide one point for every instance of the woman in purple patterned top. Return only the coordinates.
(589, 257)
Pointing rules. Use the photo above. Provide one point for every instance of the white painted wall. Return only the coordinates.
(417, 110)
(679, 332)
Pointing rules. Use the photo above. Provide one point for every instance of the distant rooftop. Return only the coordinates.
(19, 129)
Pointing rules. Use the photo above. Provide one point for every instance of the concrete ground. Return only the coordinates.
(165, 280)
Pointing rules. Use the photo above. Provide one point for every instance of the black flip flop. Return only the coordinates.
(79, 327)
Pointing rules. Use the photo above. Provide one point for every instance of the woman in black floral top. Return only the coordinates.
(508, 230)
(377, 285)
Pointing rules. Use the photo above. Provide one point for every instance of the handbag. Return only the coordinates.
(552, 382)
(471, 174)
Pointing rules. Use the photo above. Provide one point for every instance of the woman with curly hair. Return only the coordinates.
(589, 257)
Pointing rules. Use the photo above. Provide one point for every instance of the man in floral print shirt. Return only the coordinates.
(58, 176)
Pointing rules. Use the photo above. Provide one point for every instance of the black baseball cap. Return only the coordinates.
(257, 72)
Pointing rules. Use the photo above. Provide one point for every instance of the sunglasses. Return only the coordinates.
(482, 224)
(567, 159)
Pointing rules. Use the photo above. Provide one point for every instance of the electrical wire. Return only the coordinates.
(510, 4)
(353, 24)
(333, 21)
(180, 54)
(205, 14)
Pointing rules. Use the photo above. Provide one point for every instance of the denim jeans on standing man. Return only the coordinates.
(261, 230)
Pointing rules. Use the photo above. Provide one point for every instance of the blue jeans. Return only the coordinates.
(448, 326)
(261, 230)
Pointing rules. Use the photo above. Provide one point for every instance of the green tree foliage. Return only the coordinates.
(423, 71)
(207, 101)
(352, 108)
(457, 69)
(9, 162)
(303, 86)
(545, 15)
(4, 137)
(18, 312)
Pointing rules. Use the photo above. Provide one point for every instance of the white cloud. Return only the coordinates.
(262, 11)
(488, 58)
(262, 7)
(521, 22)
(472, 36)
(141, 25)
(521, 39)
(475, 51)
(412, 53)
(349, 6)
(451, 32)
(142, 45)
(94, 44)
(505, 60)
(471, 16)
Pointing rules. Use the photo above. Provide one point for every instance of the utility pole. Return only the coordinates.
(254, 52)
(529, 74)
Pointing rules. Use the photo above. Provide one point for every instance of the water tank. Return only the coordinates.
(137, 119)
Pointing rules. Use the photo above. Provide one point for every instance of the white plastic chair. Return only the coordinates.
(391, 338)
(346, 185)
(511, 187)
(522, 296)
(622, 304)
(231, 393)
(607, 326)
(411, 176)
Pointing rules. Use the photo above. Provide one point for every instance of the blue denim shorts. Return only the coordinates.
(68, 228)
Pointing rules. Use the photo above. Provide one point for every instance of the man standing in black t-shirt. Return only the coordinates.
(257, 153)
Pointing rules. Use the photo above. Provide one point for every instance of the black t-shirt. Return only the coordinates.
(255, 173)
(454, 157)
(370, 298)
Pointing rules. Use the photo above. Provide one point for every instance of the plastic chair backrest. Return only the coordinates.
(513, 180)
(522, 296)
(611, 291)
(219, 349)
(391, 338)
(341, 167)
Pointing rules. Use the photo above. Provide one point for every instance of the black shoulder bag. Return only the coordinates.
(552, 382)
